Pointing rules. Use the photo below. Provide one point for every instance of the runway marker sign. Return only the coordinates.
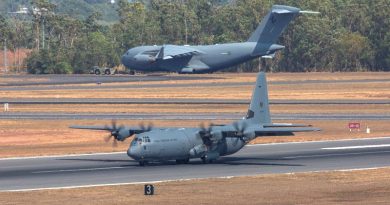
(149, 189)
(354, 126)
(6, 107)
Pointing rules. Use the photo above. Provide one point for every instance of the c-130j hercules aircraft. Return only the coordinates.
(210, 58)
(208, 144)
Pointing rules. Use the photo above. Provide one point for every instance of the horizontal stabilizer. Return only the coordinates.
(283, 131)
(285, 125)
(309, 12)
(269, 56)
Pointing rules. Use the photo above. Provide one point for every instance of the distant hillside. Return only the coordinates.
(76, 8)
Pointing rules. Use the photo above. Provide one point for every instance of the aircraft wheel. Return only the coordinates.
(107, 72)
(97, 72)
(182, 161)
(206, 161)
(143, 163)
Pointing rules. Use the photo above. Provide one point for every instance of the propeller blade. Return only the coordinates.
(202, 127)
(113, 123)
(205, 134)
(115, 143)
(150, 126)
(114, 132)
(235, 125)
(243, 128)
(142, 126)
(106, 139)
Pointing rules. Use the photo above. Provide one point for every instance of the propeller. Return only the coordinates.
(240, 129)
(146, 128)
(114, 133)
(206, 134)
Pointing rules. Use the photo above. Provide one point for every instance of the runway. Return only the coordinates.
(92, 101)
(113, 168)
(182, 116)
(28, 80)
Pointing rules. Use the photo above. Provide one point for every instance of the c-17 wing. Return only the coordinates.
(172, 51)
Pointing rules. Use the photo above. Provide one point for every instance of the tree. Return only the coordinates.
(353, 52)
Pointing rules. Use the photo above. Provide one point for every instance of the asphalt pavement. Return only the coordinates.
(181, 101)
(115, 168)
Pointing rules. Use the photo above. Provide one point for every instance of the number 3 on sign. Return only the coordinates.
(149, 189)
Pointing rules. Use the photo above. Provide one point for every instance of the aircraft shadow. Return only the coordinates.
(236, 161)
(123, 163)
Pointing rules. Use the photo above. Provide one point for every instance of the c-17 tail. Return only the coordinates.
(271, 27)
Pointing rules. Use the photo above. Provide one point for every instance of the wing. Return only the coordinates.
(89, 127)
(120, 133)
(132, 130)
(172, 51)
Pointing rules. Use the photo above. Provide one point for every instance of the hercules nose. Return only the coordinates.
(131, 152)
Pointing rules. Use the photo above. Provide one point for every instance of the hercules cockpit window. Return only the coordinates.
(134, 142)
(146, 139)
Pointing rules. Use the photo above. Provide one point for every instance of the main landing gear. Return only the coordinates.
(143, 163)
(182, 161)
(206, 161)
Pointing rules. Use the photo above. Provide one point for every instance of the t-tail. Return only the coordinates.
(258, 112)
(271, 27)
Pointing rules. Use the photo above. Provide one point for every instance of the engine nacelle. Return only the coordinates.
(123, 134)
(211, 156)
(198, 150)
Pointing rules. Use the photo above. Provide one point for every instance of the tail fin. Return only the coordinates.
(258, 112)
(270, 28)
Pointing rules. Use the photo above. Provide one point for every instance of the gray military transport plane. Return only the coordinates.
(210, 58)
(208, 144)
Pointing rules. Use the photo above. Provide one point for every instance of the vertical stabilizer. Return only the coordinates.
(258, 112)
(271, 27)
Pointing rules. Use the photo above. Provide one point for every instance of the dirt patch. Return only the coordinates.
(195, 108)
(48, 137)
(336, 187)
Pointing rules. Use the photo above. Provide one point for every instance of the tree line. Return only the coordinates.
(348, 35)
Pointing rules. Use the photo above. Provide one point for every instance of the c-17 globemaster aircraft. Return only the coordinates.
(210, 58)
(208, 144)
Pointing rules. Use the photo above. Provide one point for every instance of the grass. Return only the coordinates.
(285, 92)
(361, 90)
(334, 187)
